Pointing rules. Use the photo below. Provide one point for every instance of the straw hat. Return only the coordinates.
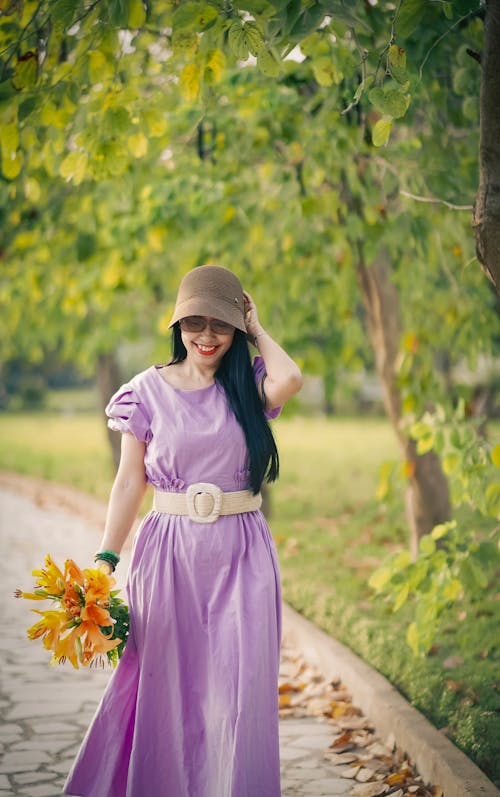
(211, 291)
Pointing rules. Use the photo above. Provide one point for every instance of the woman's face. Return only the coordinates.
(206, 339)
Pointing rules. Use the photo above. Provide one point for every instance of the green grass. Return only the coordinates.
(330, 534)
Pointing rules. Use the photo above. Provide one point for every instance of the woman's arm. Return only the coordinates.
(284, 377)
(126, 496)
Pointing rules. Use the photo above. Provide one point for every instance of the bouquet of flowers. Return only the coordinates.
(87, 623)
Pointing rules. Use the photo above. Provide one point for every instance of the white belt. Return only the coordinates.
(203, 502)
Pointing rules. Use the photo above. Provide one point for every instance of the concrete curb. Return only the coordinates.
(436, 758)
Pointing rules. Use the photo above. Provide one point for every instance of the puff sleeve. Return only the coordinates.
(259, 370)
(126, 413)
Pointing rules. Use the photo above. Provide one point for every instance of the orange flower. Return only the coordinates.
(50, 627)
(72, 572)
(97, 585)
(51, 579)
(97, 639)
(96, 614)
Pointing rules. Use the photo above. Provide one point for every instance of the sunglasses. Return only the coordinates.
(197, 323)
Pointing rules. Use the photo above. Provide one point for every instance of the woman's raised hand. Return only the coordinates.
(252, 323)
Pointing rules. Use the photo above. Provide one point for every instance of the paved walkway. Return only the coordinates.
(45, 710)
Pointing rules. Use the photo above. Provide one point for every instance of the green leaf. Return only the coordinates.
(495, 455)
(450, 463)
(26, 71)
(390, 102)
(381, 132)
(379, 578)
(307, 22)
(9, 139)
(137, 14)
(413, 639)
(409, 17)
(238, 41)
(268, 64)
(62, 13)
(119, 12)
(442, 529)
(194, 16)
(401, 597)
(73, 167)
(189, 81)
(427, 544)
(492, 496)
(396, 61)
(325, 71)
(462, 81)
(254, 39)
(452, 590)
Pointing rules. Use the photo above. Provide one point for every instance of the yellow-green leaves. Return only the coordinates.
(381, 132)
(389, 102)
(245, 38)
(26, 70)
(325, 71)
(267, 63)
(194, 16)
(137, 14)
(9, 143)
(396, 62)
(495, 455)
(189, 81)
(73, 167)
(138, 145)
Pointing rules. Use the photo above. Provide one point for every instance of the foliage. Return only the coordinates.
(457, 560)
(61, 61)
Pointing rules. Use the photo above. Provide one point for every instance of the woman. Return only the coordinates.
(192, 708)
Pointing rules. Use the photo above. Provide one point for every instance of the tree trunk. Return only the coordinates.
(486, 216)
(427, 498)
(108, 382)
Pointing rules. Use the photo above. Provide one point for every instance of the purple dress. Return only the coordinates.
(192, 707)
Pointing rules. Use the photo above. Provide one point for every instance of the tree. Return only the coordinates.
(59, 51)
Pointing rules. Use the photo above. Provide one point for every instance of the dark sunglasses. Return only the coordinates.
(197, 323)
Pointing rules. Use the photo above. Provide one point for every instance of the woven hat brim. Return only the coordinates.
(213, 308)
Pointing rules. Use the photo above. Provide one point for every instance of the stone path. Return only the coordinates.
(45, 710)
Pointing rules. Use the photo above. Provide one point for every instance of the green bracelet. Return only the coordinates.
(110, 557)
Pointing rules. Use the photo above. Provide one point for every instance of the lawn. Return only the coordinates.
(330, 534)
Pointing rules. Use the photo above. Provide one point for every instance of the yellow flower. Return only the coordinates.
(50, 627)
(51, 579)
(66, 647)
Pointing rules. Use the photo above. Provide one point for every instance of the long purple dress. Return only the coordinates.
(192, 707)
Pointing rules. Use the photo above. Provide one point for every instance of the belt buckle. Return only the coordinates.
(198, 514)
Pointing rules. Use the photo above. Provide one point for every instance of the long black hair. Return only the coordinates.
(235, 375)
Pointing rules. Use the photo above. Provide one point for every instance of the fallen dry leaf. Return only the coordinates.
(369, 789)
(349, 772)
(345, 758)
(437, 791)
(365, 774)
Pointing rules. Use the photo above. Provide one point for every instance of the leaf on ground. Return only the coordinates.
(349, 772)
(284, 700)
(369, 789)
(345, 758)
(397, 778)
(343, 742)
(365, 774)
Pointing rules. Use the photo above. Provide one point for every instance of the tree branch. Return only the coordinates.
(436, 201)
